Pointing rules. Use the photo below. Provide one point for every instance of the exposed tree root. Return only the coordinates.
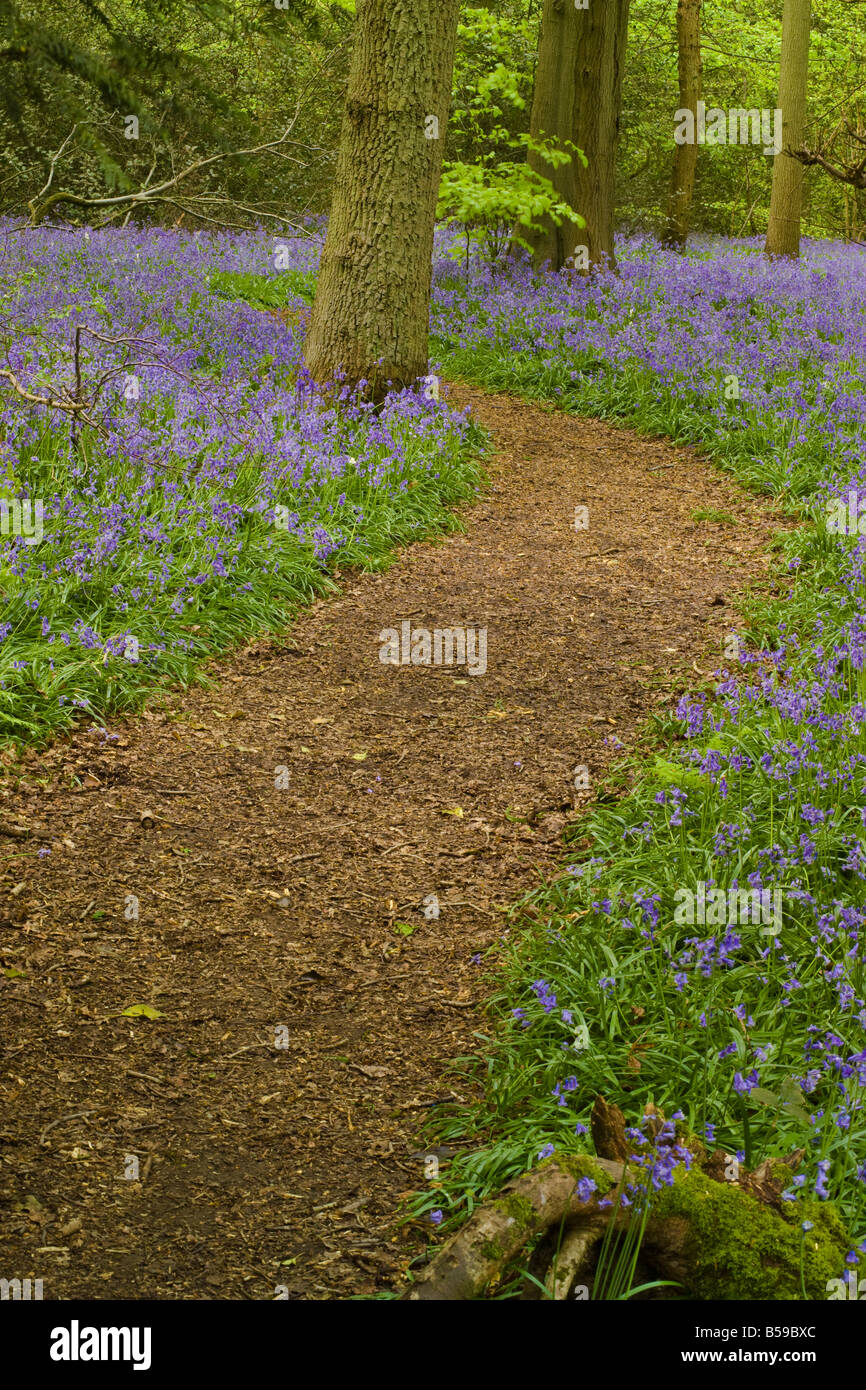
(497, 1232)
(575, 1260)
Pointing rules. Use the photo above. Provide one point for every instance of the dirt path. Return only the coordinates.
(263, 909)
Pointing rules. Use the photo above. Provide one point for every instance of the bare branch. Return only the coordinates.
(851, 173)
(52, 166)
(43, 202)
(64, 402)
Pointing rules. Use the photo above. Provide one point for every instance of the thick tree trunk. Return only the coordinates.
(786, 200)
(370, 317)
(578, 94)
(686, 156)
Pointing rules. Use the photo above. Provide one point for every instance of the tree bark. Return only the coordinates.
(577, 96)
(686, 156)
(786, 199)
(370, 316)
(496, 1232)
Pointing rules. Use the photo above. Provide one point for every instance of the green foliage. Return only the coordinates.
(484, 188)
(264, 291)
(492, 88)
(492, 201)
(205, 75)
(270, 570)
(740, 54)
(201, 76)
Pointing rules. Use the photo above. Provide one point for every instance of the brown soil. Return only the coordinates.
(262, 1165)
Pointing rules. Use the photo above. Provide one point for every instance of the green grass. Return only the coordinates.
(263, 291)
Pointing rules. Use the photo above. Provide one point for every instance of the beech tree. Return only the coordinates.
(577, 98)
(371, 311)
(786, 199)
(686, 155)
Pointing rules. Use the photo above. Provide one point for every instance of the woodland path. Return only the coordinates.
(261, 1165)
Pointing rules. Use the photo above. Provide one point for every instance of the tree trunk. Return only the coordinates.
(686, 156)
(370, 316)
(783, 229)
(578, 94)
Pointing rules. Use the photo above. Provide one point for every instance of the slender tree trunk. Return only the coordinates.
(370, 317)
(786, 200)
(686, 156)
(578, 94)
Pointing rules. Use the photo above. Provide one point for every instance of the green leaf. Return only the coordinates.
(141, 1011)
(405, 928)
(790, 1091)
(763, 1096)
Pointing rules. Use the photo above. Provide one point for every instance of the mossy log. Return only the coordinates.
(717, 1240)
(499, 1230)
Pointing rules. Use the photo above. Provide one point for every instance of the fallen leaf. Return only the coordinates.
(35, 1210)
(457, 811)
(141, 1011)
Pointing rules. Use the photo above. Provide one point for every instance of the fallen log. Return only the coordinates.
(498, 1231)
(717, 1240)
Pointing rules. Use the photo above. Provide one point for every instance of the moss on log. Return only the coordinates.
(721, 1243)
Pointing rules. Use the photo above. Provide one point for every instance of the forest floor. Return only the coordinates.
(308, 1009)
